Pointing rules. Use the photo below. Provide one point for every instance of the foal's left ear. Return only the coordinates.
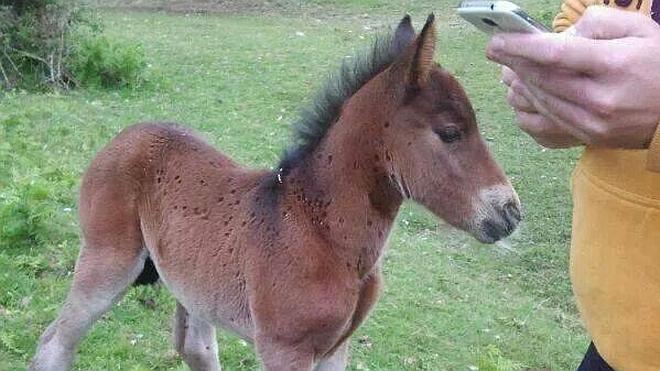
(422, 59)
(403, 36)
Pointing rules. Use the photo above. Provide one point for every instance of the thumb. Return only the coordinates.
(605, 23)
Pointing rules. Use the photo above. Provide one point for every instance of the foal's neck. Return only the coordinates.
(346, 187)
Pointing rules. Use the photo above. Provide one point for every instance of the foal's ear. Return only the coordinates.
(403, 36)
(422, 59)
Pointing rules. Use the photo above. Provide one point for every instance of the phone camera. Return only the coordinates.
(489, 22)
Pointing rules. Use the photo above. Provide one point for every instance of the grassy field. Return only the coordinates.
(239, 78)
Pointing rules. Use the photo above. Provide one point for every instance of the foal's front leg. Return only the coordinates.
(369, 293)
(337, 361)
(285, 357)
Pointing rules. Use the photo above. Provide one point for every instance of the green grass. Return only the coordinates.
(449, 304)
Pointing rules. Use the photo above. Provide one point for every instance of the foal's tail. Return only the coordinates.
(149, 274)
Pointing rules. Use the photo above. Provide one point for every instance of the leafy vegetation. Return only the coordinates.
(58, 43)
(449, 303)
(102, 62)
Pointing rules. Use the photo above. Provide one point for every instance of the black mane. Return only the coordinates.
(316, 119)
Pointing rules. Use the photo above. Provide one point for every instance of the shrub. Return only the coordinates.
(34, 40)
(102, 62)
(41, 45)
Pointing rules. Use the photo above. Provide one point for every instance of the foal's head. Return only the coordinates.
(429, 129)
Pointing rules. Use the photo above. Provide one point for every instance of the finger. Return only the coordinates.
(519, 88)
(538, 125)
(548, 49)
(566, 85)
(540, 107)
(519, 102)
(508, 75)
(570, 117)
(535, 125)
(605, 23)
(544, 131)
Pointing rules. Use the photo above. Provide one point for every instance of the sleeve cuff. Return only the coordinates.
(653, 159)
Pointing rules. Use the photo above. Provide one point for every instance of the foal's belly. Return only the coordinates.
(225, 313)
(207, 282)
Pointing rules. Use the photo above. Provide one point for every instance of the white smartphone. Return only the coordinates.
(499, 16)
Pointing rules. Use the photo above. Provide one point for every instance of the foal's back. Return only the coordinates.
(164, 192)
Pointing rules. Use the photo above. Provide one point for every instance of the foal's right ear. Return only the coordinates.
(403, 36)
(421, 61)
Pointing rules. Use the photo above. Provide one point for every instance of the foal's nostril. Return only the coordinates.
(494, 230)
(512, 211)
(502, 224)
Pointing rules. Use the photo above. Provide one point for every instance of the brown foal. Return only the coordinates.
(287, 259)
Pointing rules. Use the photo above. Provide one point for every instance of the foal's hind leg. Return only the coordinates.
(194, 339)
(102, 274)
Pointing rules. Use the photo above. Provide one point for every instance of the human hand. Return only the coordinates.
(599, 81)
(543, 130)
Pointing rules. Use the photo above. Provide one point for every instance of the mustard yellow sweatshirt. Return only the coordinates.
(615, 249)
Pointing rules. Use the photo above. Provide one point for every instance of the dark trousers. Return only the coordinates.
(593, 361)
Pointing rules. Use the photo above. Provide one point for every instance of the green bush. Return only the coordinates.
(34, 38)
(58, 43)
(101, 62)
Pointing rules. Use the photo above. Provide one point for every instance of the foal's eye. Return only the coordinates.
(448, 134)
